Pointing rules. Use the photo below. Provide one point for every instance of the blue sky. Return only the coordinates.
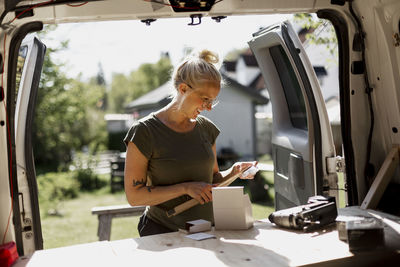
(121, 46)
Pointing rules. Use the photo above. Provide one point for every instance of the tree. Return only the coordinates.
(100, 79)
(121, 90)
(321, 31)
(66, 115)
(125, 88)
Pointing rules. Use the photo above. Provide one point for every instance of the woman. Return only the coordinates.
(171, 154)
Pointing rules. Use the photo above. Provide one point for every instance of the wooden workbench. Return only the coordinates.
(263, 245)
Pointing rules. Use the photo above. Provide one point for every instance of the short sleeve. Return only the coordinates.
(139, 135)
(210, 129)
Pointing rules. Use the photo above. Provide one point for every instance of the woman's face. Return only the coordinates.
(199, 98)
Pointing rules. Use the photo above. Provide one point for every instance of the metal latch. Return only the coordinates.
(335, 164)
(27, 222)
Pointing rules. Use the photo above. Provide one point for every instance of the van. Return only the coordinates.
(305, 160)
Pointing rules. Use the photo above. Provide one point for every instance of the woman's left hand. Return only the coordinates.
(241, 167)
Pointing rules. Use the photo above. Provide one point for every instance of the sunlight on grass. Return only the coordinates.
(266, 158)
(342, 193)
(77, 224)
(261, 211)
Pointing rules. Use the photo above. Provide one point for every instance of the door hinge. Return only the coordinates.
(335, 164)
(27, 222)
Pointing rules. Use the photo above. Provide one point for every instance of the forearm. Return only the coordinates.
(140, 195)
(222, 176)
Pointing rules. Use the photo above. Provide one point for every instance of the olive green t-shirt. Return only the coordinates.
(175, 158)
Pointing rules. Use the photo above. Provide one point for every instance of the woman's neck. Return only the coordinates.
(174, 119)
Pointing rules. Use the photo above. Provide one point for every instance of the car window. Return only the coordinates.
(291, 87)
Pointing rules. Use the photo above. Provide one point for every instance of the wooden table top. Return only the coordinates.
(262, 245)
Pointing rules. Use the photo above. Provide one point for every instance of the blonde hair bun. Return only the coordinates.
(197, 68)
(209, 56)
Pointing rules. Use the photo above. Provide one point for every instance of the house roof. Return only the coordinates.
(258, 82)
(254, 94)
(160, 95)
(152, 98)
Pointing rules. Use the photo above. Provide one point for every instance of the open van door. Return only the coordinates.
(29, 66)
(302, 143)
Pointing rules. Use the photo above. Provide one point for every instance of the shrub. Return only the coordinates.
(88, 180)
(55, 187)
(84, 166)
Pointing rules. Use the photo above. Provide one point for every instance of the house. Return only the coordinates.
(238, 126)
(246, 72)
(247, 68)
(150, 102)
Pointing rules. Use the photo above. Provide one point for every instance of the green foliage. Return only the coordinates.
(54, 188)
(84, 173)
(266, 158)
(87, 179)
(125, 88)
(68, 115)
(100, 79)
(120, 94)
(321, 32)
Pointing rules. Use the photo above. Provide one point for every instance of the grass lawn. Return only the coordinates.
(342, 194)
(76, 224)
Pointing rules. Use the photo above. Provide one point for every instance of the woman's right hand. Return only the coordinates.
(200, 191)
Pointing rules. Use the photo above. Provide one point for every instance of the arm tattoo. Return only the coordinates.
(136, 183)
(141, 183)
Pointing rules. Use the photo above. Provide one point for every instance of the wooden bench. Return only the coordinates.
(107, 213)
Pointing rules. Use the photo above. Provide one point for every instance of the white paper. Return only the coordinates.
(251, 171)
(200, 236)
